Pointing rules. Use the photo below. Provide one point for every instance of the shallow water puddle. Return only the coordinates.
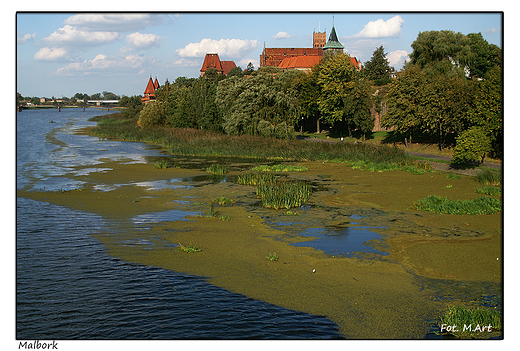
(348, 242)
(163, 216)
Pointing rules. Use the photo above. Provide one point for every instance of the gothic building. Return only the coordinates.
(213, 61)
(305, 58)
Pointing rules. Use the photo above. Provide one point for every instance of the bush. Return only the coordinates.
(472, 145)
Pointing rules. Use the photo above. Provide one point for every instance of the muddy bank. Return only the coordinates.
(150, 211)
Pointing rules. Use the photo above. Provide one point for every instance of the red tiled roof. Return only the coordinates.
(355, 62)
(156, 84)
(299, 62)
(211, 61)
(227, 66)
(150, 89)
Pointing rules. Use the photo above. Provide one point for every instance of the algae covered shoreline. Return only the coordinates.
(395, 296)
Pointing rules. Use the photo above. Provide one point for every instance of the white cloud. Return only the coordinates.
(282, 35)
(224, 47)
(183, 62)
(113, 22)
(493, 30)
(396, 58)
(143, 41)
(50, 54)
(106, 64)
(381, 28)
(70, 35)
(24, 38)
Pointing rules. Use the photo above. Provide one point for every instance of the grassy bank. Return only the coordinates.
(203, 143)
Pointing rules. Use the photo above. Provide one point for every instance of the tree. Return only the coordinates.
(378, 68)
(342, 97)
(235, 71)
(261, 104)
(472, 145)
(441, 50)
(485, 56)
(403, 102)
(249, 69)
(486, 110)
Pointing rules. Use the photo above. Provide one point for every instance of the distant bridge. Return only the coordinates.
(102, 102)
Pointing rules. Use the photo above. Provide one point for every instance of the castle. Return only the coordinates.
(304, 58)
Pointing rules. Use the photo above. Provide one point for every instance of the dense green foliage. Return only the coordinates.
(452, 83)
(472, 145)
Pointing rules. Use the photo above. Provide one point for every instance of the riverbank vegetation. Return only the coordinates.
(462, 322)
(450, 93)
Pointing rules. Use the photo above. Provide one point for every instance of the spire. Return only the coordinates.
(333, 42)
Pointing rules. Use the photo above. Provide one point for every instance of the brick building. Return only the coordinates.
(213, 61)
(319, 39)
(149, 92)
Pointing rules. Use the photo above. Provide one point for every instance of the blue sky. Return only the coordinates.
(60, 54)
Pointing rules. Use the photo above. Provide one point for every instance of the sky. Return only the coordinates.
(61, 54)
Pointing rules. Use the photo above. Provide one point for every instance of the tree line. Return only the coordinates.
(451, 85)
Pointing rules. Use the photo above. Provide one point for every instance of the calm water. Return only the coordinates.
(69, 288)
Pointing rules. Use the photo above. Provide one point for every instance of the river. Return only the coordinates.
(68, 287)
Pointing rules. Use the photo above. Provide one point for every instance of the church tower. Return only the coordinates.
(333, 45)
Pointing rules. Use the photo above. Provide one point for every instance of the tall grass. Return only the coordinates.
(284, 194)
(216, 169)
(256, 178)
(478, 206)
(489, 178)
(280, 168)
(197, 142)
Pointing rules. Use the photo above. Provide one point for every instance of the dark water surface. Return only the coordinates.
(67, 287)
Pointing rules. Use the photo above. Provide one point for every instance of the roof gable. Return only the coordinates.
(211, 61)
(227, 66)
(150, 89)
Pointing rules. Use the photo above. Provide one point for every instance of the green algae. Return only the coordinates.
(366, 298)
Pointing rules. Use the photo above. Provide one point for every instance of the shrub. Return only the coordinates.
(478, 206)
(471, 145)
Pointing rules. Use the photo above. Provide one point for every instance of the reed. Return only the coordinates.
(195, 142)
(256, 179)
(284, 194)
(216, 169)
(489, 178)
(280, 168)
(160, 165)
